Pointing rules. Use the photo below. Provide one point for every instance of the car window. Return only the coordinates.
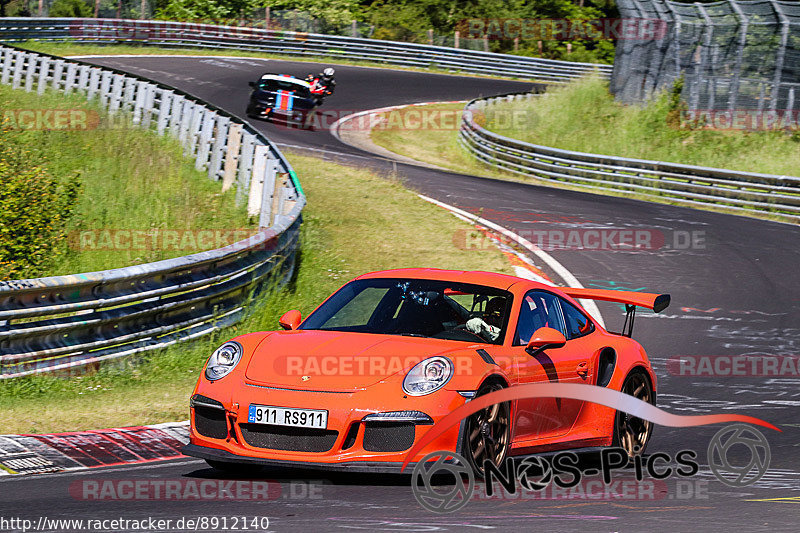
(539, 309)
(577, 323)
(358, 311)
(417, 308)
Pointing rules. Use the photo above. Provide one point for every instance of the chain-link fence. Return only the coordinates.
(733, 55)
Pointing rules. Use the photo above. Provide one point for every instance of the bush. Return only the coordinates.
(34, 208)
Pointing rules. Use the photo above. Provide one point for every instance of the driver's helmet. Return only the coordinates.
(493, 314)
(328, 73)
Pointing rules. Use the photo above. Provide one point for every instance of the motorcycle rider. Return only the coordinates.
(323, 84)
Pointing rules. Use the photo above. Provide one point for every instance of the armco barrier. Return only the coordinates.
(180, 34)
(683, 184)
(64, 322)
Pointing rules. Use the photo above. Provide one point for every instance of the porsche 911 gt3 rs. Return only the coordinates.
(362, 378)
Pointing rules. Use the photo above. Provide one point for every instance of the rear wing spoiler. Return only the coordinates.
(656, 302)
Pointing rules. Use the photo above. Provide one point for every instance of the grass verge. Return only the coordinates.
(130, 180)
(439, 146)
(355, 221)
(584, 117)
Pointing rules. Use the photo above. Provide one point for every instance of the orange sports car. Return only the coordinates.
(363, 377)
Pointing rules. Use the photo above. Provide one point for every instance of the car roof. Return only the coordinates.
(286, 78)
(475, 277)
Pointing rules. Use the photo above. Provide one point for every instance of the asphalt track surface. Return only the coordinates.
(734, 293)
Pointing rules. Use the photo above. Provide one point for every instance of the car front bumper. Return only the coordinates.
(220, 429)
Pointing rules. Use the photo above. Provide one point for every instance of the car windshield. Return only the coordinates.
(273, 85)
(417, 308)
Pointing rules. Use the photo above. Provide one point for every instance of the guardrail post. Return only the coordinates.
(267, 193)
(83, 77)
(186, 118)
(194, 129)
(105, 87)
(8, 60)
(245, 167)
(30, 71)
(94, 82)
(232, 156)
(279, 198)
(149, 100)
(204, 142)
(129, 94)
(19, 66)
(261, 187)
(44, 72)
(141, 98)
(118, 81)
(69, 82)
(163, 111)
(218, 148)
(58, 73)
(175, 115)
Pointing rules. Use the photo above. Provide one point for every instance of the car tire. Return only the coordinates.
(488, 429)
(632, 433)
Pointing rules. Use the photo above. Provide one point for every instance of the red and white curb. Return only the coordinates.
(58, 452)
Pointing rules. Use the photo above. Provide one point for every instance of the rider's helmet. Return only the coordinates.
(328, 73)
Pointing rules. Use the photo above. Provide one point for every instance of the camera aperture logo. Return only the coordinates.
(732, 472)
(452, 497)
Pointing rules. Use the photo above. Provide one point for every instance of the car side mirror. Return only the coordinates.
(545, 338)
(251, 83)
(290, 319)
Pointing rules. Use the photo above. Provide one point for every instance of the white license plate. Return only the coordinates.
(284, 416)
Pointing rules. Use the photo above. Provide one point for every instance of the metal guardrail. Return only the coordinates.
(64, 322)
(180, 34)
(683, 184)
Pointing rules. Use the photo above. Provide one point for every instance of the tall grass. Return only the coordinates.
(130, 179)
(583, 116)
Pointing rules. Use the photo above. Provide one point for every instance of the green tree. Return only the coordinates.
(70, 8)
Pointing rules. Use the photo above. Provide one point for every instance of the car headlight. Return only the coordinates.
(428, 376)
(223, 360)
